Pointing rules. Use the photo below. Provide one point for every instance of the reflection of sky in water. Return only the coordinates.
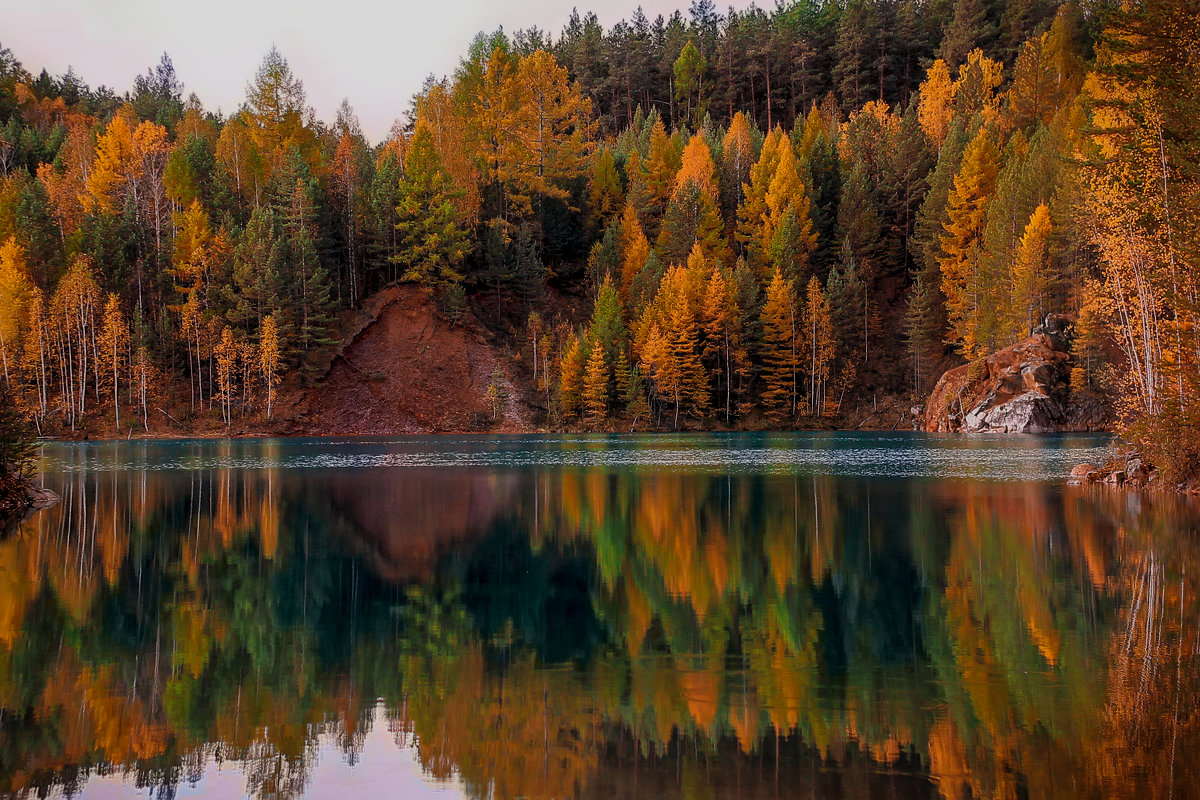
(384, 768)
(853, 455)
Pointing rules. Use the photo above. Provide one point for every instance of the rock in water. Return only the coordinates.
(41, 497)
(1024, 388)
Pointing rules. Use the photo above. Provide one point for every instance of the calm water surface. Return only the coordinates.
(753, 616)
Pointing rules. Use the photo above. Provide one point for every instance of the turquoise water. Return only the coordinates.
(743, 615)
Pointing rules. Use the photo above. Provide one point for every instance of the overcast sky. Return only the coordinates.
(376, 54)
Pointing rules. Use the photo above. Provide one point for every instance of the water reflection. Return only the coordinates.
(536, 627)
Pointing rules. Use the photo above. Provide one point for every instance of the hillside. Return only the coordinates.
(406, 369)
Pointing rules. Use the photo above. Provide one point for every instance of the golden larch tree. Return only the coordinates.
(634, 249)
(961, 244)
(778, 320)
(595, 387)
(1030, 281)
(269, 358)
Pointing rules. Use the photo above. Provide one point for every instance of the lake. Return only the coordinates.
(847, 615)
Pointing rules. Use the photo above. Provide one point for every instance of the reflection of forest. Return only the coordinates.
(586, 633)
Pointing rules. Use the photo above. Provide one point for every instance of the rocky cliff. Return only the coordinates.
(405, 368)
(1024, 388)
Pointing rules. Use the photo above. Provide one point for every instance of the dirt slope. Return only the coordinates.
(406, 369)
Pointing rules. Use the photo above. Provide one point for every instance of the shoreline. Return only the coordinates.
(208, 436)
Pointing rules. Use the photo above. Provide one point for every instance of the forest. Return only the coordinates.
(737, 219)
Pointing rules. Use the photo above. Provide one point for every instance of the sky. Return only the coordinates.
(375, 54)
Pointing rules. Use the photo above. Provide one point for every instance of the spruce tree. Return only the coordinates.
(432, 237)
(924, 328)
(969, 29)
(925, 244)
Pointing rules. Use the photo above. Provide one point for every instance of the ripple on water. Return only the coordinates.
(843, 454)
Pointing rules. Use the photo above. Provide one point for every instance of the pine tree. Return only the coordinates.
(529, 272)
(689, 71)
(925, 244)
(692, 218)
(968, 30)
(779, 349)
(862, 243)
(923, 328)
(311, 289)
(258, 260)
(962, 280)
(607, 329)
(636, 405)
(788, 247)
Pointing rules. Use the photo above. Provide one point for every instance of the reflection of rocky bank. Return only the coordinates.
(405, 523)
(19, 497)
(1024, 388)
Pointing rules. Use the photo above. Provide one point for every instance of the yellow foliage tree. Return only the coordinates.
(752, 213)
(820, 345)
(787, 193)
(697, 166)
(227, 353)
(269, 358)
(114, 346)
(571, 369)
(1029, 279)
(778, 320)
(634, 249)
(545, 140)
(595, 387)
(961, 243)
(935, 108)
(661, 164)
(15, 295)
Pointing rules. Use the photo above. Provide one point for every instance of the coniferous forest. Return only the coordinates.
(715, 219)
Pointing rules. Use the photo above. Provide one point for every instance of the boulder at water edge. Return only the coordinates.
(1024, 388)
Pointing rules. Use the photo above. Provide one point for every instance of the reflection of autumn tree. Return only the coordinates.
(1001, 640)
(1013, 641)
(1149, 730)
(139, 625)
